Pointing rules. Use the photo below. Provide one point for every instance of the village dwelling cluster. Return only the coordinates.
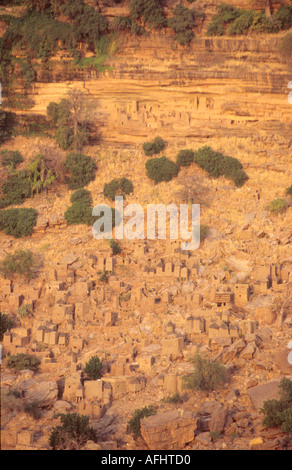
(73, 300)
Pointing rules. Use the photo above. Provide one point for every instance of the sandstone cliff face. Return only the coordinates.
(216, 87)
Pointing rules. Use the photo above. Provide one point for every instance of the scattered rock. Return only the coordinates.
(242, 265)
(204, 438)
(281, 361)
(265, 315)
(168, 430)
(44, 393)
(218, 419)
(255, 442)
(69, 259)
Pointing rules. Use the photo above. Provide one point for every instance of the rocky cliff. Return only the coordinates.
(215, 87)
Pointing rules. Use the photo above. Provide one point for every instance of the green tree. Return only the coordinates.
(4, 126)
(73, 433)
(23, 361)
(182, 22)
(135, 422)
(10, 158)
(81, 170)
(279, 412)
(93, 368)
(81, 195)
(18, 222)
(89, 26)
(161, 169)
(118, 187)
(73, 8)
(154, 147)
(217, 164)
(71, 116)
(20, 262)
(149, 11)
(185, 157)
(7, 322)
(277, 206)
(116, 249)
(208, 375)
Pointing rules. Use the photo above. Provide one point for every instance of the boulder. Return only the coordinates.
(261, 393)
(170, 430)
(218, 419)
(211, 416)
(281, 361)
(265, 315)
(44, 393)
(242, 265)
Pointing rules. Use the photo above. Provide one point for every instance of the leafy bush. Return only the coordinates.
(204, 231)
(182, 22)
(6, 323)
(72, 131)
(121, 23)
(284, 16)
(279, 412)
(59, 113)
(225, 15)
(125, 23)
(81, 210)
(116, 249)
(93, 368)
(65, 137)
(81, 168)
(161, 169)
(5, 127)
(73, 8)
(79, 213)
(40, 34)
(23, 361)
(184, 38)
(20, 262)
(154, 147)
(104, 277)
(241, 21)
(73, 433)
(217, 164)
(289, 190)
(18, 222)
(89, 26)
(185, 157)
(241, 24)
(10, 158)
(150, 11)
(175, 399)
(207, 375)
(135, 422)
(25, 183)
(39, 175)
(25, 311)
(277, 206)
(118, 187)
(16, 189)
(33, 409)
(81, 195)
